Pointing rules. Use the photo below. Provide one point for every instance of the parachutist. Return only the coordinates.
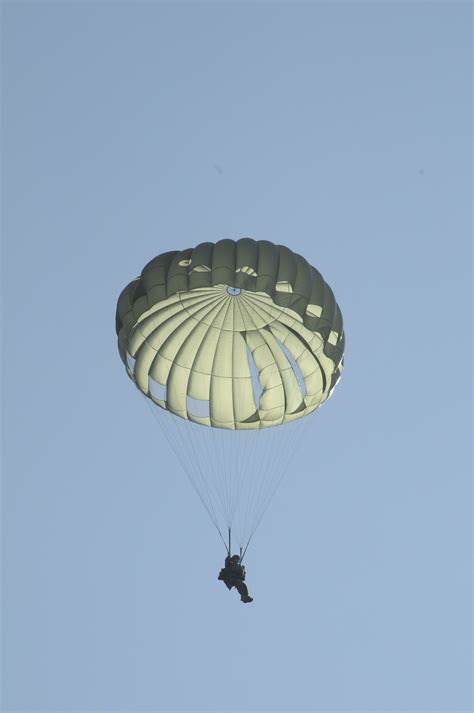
(228, 342)
(233, 575)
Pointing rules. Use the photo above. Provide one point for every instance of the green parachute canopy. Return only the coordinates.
(238, 336)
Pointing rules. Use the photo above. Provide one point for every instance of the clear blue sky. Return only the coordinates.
(342, 131)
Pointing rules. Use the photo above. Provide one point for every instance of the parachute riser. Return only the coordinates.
(242, 555)
(229, 547)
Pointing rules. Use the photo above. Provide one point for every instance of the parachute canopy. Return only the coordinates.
(234, 339)
(238, 335)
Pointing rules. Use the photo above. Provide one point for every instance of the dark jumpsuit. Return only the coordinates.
(233, 575)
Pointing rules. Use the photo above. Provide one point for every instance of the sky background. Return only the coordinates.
(342, 131)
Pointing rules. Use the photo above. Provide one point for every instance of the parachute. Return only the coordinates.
(234, 344)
